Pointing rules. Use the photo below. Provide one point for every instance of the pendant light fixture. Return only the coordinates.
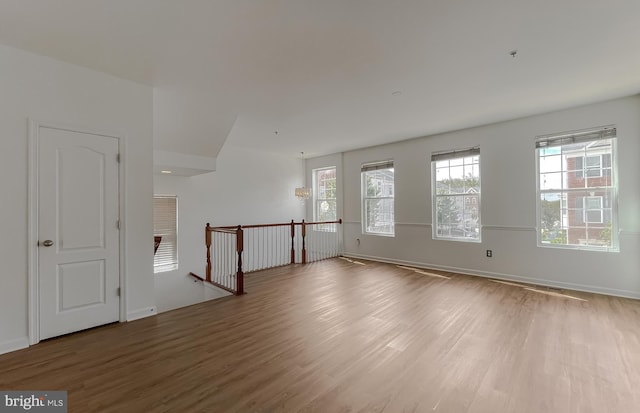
(303, 192)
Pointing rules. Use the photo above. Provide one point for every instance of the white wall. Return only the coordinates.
(248, 187)
(508, 204)
(45, 90)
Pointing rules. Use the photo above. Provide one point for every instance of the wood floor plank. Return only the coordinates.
(336, 336)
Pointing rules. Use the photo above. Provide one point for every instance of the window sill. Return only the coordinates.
(578, 247)
(378, 234)
(471, 240)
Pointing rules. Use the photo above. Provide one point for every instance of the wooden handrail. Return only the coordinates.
(238, 231)
(223, 230)
(266, 225)
(232, 228)
(320, 222)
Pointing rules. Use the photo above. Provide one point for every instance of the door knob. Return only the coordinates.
(47, 243)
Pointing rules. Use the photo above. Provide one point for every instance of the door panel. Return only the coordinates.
(78, 275)
(81, 228)
(81, 285)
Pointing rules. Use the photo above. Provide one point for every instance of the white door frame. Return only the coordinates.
(32, 224)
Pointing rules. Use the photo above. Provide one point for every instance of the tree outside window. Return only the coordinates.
(456, 193)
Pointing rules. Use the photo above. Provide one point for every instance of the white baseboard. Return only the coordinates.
(142, 313)
(507, 277)
(13, 345)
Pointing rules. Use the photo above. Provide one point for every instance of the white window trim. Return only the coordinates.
(453, 154)
(317, 199)
(586, 169)
(585, 209)
(366, 167)
(605, 132)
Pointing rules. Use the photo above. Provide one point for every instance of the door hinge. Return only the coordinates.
(118, 224)
(118, 291)
(118, 158)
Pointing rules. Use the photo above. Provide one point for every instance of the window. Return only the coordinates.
(165, 225)
(589, 210)
(324, 194)
(592, 166)
(377, 198)
(577, 192)
(456, 194)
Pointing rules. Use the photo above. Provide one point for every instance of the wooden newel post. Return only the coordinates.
(293, 236)
(239, 249)
(304, 248)
(207, 241)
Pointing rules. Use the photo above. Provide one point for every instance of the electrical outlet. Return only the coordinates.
(489, 253)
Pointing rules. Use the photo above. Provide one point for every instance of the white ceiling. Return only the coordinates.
(322, 72)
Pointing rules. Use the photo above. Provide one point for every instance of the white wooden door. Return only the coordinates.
(78, 236)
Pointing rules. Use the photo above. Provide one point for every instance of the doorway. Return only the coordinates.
(75, 271)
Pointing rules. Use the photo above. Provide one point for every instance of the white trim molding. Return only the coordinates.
(32, 220)
(13, 345)
(142, 313)
(505, 277)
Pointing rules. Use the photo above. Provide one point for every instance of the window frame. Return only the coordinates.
(586, 208)
(317, 200)
(593, 171)
(588, 171)
(449, 155)
(365, 169)
(600, 142)
(169, 236)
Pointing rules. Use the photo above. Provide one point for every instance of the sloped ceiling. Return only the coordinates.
(322, 73)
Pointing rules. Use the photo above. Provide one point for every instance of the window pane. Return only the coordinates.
(456, 172)
(576, 193)
(456, 188)
(551, 218)
(442, 174)
(378, 204)
(593, 202)
(552, 163)
(379, 213)
(372, 185)
(594, 216)
(593, 161)
(553, 180)
(326, 210)
(456, 162)
(324, 193)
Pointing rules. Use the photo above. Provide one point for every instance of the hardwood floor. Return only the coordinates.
(338, 336)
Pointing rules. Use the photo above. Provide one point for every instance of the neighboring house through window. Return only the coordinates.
(165, 225)
(590, 210)
(577, 191)
(456, 194)
(378, 198)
